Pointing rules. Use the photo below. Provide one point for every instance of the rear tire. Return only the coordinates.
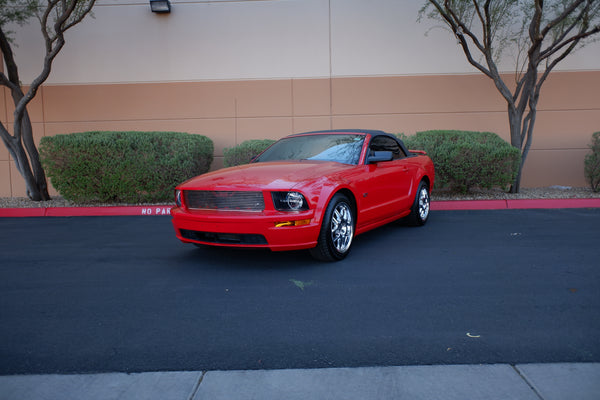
(421, 207)
(337, 230)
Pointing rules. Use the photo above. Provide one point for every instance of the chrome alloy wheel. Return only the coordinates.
(424, 203)
(342, 227)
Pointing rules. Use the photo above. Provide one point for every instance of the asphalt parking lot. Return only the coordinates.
(121, 294)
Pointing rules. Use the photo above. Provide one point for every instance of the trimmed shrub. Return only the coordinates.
(245, 151)
(464, 159)
(123, 167)
(592, 163)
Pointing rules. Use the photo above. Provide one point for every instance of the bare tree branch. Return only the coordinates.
(549, 31)
(577, 38)
(55, 18)
(560, 18)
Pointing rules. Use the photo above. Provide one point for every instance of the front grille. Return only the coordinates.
(223, 238)
(224, 200)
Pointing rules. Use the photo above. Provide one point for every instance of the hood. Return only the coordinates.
(266, 175)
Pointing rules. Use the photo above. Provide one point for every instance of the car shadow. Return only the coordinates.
(262, 259)
(245, 259)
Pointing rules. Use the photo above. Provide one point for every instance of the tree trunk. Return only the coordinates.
(38, 190)
(516, 186)
(515, 119)
(35, 191)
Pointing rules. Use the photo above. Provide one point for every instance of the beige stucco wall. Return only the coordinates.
(230, 112)
(235, 70)
(255, 39)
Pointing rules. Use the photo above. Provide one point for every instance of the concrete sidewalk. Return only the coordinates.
(580, 381)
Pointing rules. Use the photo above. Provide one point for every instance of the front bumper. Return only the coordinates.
(247, 229)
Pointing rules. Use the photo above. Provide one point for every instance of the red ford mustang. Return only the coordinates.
(314, 190)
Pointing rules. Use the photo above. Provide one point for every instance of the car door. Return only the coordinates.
(385, 190)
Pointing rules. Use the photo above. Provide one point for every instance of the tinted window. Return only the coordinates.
(335, 147)
(386, 143)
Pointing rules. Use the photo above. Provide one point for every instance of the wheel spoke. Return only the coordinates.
(424, 204)
(341, 227)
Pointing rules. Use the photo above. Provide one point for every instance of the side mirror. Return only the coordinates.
(379, 156)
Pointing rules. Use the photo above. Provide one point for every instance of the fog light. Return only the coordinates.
(292, 223)
(287, 223)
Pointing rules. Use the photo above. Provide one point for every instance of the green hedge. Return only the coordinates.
(123, 167)
(245, 151)
(464, 159)
(592, 163)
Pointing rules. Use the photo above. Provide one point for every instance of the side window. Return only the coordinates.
(385, 143)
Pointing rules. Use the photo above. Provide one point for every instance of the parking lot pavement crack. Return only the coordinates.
(531, 386)
(197, 386)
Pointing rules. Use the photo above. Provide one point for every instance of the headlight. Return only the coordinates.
(178, 198)
(289, 201)
(294, 200)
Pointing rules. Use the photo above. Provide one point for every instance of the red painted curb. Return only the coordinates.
(86, 211)
(107, 211)
(447, 205)
(22, 212)
(519, 204)
(553, 203)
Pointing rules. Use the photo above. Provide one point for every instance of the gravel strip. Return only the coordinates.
(57, 201)
(553, 192)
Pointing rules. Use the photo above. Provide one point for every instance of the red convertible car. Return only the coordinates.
(315, 190)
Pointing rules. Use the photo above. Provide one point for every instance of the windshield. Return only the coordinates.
(340, 148)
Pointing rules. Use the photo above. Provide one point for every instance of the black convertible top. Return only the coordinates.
(369, 131)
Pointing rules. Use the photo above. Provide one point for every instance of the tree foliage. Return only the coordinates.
(464, 160)
(83, 167)
(55, 18)
(592, 163)
(538, 34)
(244, 152)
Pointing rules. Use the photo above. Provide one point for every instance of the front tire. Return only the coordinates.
(421, 207)
(337, 230)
